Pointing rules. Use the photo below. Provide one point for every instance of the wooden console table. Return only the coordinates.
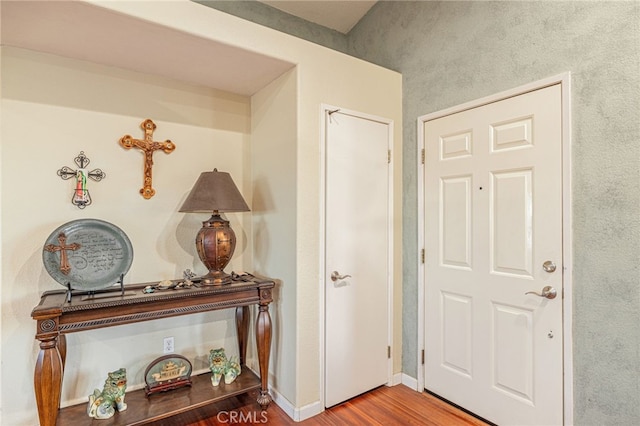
(57, 317)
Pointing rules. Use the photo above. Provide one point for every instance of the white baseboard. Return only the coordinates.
(296, 414)
(308, 411)
(282, 402)
(410, 382)
(396, 379)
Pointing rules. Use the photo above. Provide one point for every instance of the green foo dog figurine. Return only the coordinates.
(221, 366)
(217, 365)
(232, 370)
(103, 405)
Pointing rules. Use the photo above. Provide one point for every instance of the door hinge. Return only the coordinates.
(422, 256)
(422, 357)
(389, 352)
(422, 154)
(389, 156)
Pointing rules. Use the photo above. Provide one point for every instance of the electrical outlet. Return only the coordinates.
(168, 345)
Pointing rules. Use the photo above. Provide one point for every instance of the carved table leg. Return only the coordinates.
(62, 348)
(263, 340)
(48, 380)
(242, 326)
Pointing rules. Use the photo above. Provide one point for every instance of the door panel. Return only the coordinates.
(457, 350)
(513, 349)
(357, 245)
(511, 223)
(455, 222)
(493, 206)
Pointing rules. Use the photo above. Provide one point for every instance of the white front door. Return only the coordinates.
(493, 235)
(357, 238)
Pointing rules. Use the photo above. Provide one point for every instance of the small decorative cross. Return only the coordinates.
(81, 197)
(62, 248)
(147, 146)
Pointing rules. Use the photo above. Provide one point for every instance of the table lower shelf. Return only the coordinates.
(144, 410)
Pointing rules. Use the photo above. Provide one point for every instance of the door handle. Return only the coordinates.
(335, 276)
(547, 292)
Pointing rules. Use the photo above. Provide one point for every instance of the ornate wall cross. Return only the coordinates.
(62, 248)
(81, 197)
(147, 146)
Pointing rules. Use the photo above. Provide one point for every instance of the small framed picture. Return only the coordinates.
(166, 373)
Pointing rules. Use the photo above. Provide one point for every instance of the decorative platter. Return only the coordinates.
(87, 254)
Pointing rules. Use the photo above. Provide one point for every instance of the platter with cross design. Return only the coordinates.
(87, 254)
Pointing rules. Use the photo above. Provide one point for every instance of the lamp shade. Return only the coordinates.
(214, 191)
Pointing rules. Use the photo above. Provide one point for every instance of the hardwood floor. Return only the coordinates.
(397, 405)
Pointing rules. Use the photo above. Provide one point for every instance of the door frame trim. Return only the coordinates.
(325, 109)
(564, 79)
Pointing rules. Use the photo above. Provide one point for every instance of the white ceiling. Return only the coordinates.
(339, 15)
(87, 32)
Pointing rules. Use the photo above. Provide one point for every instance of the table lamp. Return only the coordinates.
(215, 192)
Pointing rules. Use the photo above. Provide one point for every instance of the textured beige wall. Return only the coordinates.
(53, 108)
(322, 76)
(274, 159)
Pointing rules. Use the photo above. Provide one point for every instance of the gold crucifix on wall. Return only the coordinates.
(148, 147)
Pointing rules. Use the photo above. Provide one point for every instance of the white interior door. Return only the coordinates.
(356, 255)
(493, 233)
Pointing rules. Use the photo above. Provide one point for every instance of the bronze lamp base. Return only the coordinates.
(215, 244)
